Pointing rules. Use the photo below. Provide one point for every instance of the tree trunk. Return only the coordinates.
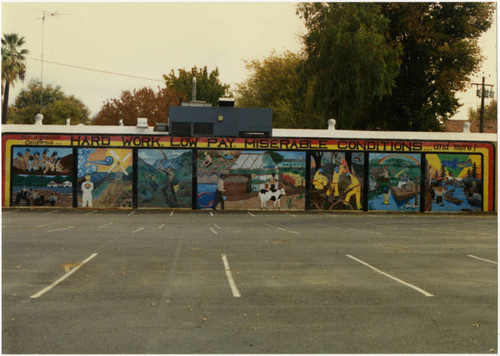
(5, 103)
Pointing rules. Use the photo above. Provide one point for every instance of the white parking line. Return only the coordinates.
(172, 213)
(92, 212)
(43, 225)
(290, 231)
(46, 289)
(282, 229)
(291, 215)
(162, 225)
(139, 229)
(105, 225)
(251, 214)
(211, 229)
(211, 214)
(482, 259)
(61, 229)
(427, 294)
(217, 226)
(232, 284)
(133, 212)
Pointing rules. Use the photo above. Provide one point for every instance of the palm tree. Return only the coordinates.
(13, 66)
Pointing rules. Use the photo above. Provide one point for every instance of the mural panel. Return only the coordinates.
(394, 182)
(104, 177)
(165, 178)
(454, 182)
(251, 179)
(336, 180)
(42, 176)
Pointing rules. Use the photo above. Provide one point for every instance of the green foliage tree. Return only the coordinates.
(209, 88)
(350, 57)
(131, 105)
(440, 54)
(56, 106)
(393, 66)
(274, 82)
(490, 112)
(13, 66)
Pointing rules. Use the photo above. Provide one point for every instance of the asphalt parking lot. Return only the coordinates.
(160, 282)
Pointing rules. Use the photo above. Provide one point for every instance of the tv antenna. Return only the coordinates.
(46, 14)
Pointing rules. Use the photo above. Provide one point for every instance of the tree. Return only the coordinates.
(13, 66)
(440, 54)
(393, 66)
(274, 82)
(208, 85)
(144, 102)
(350, 57)
(490, 112)
(56, 106)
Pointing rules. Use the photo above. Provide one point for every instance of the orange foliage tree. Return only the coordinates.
(145, 102)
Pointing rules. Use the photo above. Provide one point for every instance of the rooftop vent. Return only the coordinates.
(226, 102)
(161, 126)
(38, 119)
(142, 123)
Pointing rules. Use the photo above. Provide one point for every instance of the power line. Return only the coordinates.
(97, 70)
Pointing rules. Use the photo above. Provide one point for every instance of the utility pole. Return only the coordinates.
(483, 93)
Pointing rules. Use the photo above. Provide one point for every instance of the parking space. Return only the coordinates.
(247, 282)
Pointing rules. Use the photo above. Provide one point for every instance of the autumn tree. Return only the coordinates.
(145, 102)
(57, 107)
(349, 56)
(209, 88)
(274, 82)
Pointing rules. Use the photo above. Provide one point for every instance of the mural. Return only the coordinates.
(42, 176)
(165, 178)
(453, 182)
(394, 181)
(336, 180)
(104, 177)
(251, 179)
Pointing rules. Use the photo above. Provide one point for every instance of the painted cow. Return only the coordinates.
(265, 195)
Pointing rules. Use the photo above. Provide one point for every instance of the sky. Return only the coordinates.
(149, 39)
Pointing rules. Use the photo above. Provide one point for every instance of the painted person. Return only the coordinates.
(353, 189)
(219, 193)
(385, 175)
(26, 159)
(44, 161)
(168, 188)
(87, 188)
(35, 163)
(319, 180)
(403, 180)
(387, 194)
(208, 160)
(439, 191)
(272, 183)
(334, 185)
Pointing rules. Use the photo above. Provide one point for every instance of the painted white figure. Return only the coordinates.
(87, 188)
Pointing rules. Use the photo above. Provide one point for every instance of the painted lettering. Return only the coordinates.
(211, 142)
(442, 146)
(250, 142)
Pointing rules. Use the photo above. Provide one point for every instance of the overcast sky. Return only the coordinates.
(150, 39)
